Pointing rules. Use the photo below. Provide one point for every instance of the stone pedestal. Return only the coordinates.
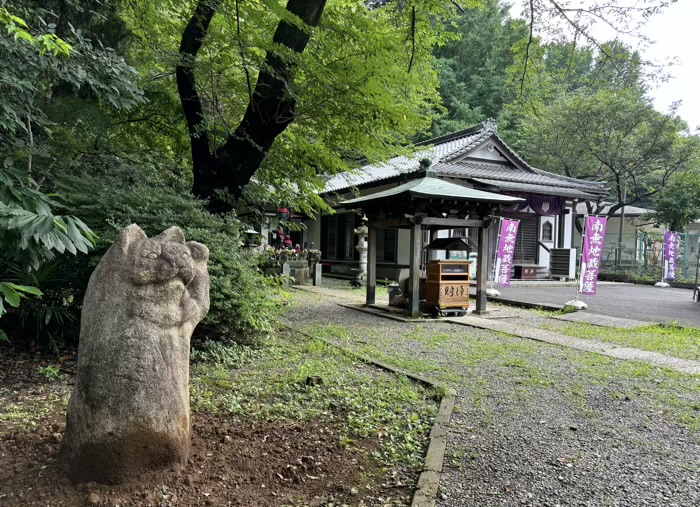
(316, 273)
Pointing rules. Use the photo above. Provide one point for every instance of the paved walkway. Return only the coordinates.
(518, 329)
(637, 302)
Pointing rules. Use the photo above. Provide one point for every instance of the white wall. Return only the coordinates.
(484, 154)
(568, 230)
(312, 234)
(544, 254)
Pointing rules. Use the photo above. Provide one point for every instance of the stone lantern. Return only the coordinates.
(252, 242)
(361, 272)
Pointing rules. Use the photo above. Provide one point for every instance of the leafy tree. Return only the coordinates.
(117, 194)
(678, 204)
(32, 67)
(610, 135)
(296, 90)
(474, 82)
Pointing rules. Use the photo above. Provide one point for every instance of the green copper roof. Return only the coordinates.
(431, 187)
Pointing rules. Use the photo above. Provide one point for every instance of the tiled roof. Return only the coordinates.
(445, 151)
(405, 165)
(478, 169)
(630, 211)
(536, 189)
(432, 187)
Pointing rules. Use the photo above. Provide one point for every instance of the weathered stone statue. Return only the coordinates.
(129, 411)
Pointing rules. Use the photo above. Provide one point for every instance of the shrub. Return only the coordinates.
(242, 304)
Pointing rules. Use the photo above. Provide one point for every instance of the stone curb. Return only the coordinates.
(426, 491)
(523, 304)
(379, 313)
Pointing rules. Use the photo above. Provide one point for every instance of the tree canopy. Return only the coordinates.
(297, 91)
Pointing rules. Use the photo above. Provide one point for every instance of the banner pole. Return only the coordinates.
(580, 256)
(662, 283)
(492, 271)
(575, 303)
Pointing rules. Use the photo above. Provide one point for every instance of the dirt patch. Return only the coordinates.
(247, 463)
(232, 463)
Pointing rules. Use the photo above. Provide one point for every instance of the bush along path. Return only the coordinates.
(536, 424)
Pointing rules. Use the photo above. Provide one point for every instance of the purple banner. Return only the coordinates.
(670, 252)
(506, 248)
(593, 239)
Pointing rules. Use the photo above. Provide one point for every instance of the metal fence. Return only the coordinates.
(641, 254)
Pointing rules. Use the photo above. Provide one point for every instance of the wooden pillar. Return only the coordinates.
(561, 230)
(371, 265)
(414, 275)
(481, 271)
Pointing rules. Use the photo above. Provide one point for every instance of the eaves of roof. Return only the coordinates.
(536, 189)
(499, 172)
(431, 187)
(630, 211)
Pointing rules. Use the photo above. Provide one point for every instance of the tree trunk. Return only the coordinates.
(272, 108)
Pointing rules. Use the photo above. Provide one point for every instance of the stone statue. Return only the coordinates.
(129, 411)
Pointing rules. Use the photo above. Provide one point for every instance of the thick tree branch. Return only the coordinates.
(527, 48)
(273, 106)
(190, 44)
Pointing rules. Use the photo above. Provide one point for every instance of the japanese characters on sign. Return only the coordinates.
(506, 250)
(670, 253)
(593, 239)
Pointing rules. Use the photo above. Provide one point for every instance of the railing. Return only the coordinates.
(642, 254)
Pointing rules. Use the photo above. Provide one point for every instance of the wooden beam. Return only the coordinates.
(457, 223)
(414, 273)
(393, 223)
(371, 264)
(481, 272)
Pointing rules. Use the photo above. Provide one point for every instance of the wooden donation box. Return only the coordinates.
(447, 284)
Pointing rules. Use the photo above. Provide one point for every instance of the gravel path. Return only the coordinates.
(536, 424)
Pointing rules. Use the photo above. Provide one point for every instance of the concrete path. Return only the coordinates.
(602, 320)
(518, 329)
(604, 348)
(623, 300)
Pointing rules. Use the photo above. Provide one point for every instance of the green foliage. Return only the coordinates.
(271, 384)
(474, 82)
(33, 81)
(52, 320)
(12, 294)
(46, 43)
(609, 135)
(242, 305)
(28, 227)
(678, 204)
(31, 237)
(50, 372)
(363, 85)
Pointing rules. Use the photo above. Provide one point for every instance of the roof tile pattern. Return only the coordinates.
(445, 153)
(475, 169)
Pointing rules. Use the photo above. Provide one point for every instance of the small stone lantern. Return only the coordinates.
(361, 272)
